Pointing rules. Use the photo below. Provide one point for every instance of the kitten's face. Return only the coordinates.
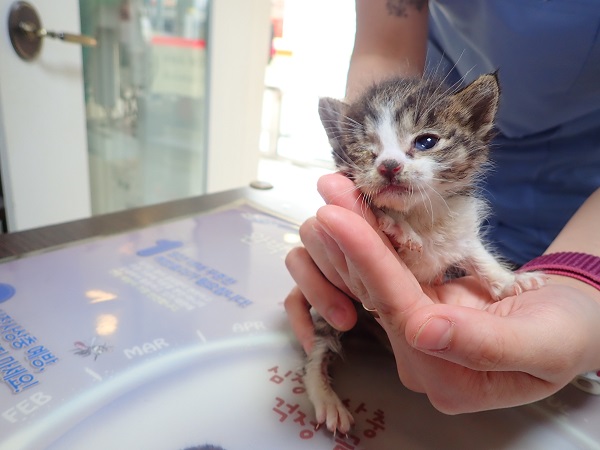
(407, 141)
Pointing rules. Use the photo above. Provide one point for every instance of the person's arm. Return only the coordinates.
(390, 39)
(580, 235)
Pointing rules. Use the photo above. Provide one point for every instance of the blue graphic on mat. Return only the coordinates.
(162, 245)
(6, 292)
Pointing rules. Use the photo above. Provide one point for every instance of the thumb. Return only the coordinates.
(483, 341)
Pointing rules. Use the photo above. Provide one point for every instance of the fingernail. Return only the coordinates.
(434, 335)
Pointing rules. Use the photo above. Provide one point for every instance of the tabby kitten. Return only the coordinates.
(415, 150)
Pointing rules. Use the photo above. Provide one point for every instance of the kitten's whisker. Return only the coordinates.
(438, 96)
(337, 133)
(425, 196)
(453, 88)
(364, 205)
(364, 201)
(347, 161)
(345, 117)
(346, 128)
(346, 158)
(454, 66)
(348, 191)
(443, 199)
(439, 64)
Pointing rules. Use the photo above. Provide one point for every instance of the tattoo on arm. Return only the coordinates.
(399, 7)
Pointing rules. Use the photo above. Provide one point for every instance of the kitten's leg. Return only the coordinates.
(500, 280)
(400, 231)
(329, 409)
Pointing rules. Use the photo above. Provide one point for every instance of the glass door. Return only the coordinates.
(146, 103)
(153, 133)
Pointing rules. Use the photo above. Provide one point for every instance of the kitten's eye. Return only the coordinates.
(426, 142)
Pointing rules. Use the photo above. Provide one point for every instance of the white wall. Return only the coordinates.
(320, 35)
(238, 45)
(43, 140)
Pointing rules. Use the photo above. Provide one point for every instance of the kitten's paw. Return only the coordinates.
(414, 244)
(331, 411)
(521, 282)
(393, 231)
(529, 281)
(390, 227)
(403, 236)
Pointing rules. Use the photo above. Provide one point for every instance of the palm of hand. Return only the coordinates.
(505, 353)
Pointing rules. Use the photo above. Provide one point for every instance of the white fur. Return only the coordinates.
(391, 145)
(329, 408)
(435, 231)
(433, 237)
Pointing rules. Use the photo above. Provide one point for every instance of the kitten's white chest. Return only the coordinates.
(434, 238)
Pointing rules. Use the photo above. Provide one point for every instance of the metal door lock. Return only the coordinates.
(26, 32)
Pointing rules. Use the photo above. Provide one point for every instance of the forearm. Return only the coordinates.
(580, 235)
(391, 39)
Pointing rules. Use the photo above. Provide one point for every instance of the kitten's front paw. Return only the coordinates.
(521, 282)
(413, 243)
(390, 227)
(402, 235)
(330, 411)
(529, 281)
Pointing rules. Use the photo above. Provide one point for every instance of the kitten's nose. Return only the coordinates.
(389, 168)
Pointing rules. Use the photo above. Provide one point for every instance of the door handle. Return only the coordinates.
(27, 33)
(33, 32)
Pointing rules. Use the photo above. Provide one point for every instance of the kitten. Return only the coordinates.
(415, 149)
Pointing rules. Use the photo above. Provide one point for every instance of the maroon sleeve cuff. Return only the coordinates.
(581, 266)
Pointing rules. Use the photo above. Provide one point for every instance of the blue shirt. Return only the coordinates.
(546, 159)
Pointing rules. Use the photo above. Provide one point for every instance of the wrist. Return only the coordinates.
(575, 269)
(574, 283)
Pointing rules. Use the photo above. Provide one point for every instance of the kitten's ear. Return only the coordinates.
(332, 113)
(481, 98)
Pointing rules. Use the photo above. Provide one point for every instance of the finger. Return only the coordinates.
(472, 338)
(314, 240)
(391, 287)
(337, 189)
(543, 345)
(331, 303)
(298, 312)
(333, 264)
(454, 389)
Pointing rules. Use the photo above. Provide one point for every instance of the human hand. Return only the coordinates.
(452, 342)
(318, 283)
